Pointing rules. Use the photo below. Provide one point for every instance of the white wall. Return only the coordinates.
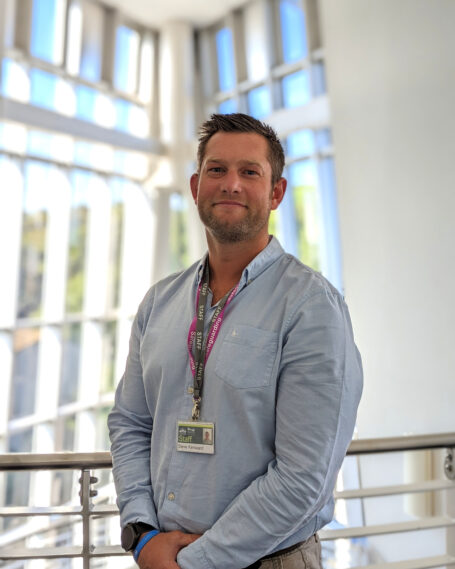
(391, 79)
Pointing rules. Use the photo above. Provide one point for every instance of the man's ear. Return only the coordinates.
(279, 189)
(194, 180)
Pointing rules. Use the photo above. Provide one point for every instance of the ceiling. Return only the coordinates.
(155, 13)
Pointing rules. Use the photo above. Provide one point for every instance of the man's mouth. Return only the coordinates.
(230, 203)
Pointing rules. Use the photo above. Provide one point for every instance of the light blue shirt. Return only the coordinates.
(282, 385)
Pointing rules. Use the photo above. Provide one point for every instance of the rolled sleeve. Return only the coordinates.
(130, 428)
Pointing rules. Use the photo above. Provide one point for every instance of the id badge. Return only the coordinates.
(196, 436)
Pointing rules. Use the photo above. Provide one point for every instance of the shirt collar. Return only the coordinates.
(257, 266)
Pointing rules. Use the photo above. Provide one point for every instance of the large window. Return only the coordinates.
(276, 74)
(79, 224)
(293, 30)
(226, 62)
(48, 18)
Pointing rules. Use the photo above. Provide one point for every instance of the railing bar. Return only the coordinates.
(105, 509)
(55, 461)
(109, 551)
(422, 563)
(63, 552)
(81, 460)
(426, 486)
(21, 511)
(41, 553)
(397, 444)
(382, 529)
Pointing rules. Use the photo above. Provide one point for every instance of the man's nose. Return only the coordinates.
(232, 182)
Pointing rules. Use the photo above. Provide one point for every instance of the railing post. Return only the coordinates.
(449, 469)
(86, 493)
(449, 464)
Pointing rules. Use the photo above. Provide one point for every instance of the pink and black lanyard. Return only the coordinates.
(203, 346)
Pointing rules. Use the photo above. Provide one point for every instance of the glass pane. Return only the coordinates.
(13, 137)
(293, 30)
(259, 102)
(131, 118)
(332, 248)
(62, 483)
(307, 211)
(48, 18)
(324, 138)
(133, 164)
(228, 106)
(74, 38)
(126, 59)
(274, 223)
(69, 427)
(300, 143)
(122, 109)
(108, 379)
(92, 42)
(102, 434)
(115, 245)
(52, 93)
(15, 81)
(178, 232)
(70, 363)
(86, 99)
(52, 146)
(33, 240)
(138, 123)
(95, 107)
(23, 388)
(95, 155)
(146, 68)
(225, 54)
(296, 89)
(256, 41)
(319, 83)
(43, 89)
(17, 483)
(77, 242)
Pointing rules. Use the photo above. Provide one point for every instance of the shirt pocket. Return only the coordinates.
(246, 357)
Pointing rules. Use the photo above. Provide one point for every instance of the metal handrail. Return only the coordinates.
(89, 510)
(404, 443)
(94, 460)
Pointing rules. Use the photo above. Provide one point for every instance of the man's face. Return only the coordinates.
(233, 190)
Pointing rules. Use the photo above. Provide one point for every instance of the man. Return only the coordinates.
(252, 347)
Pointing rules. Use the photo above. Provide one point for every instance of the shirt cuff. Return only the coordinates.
(139, 509)
(193, 556)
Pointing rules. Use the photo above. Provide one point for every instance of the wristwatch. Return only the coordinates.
(131, 534)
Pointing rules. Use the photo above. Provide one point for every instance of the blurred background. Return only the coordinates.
(99, 108)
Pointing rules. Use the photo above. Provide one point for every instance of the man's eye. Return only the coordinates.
(250, 172)
(216, 169)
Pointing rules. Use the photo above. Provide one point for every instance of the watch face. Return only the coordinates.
(129, 538)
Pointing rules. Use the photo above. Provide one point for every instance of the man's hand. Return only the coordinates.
(161, 551)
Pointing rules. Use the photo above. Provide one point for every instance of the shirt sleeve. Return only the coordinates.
(320, 384)
(130, 428)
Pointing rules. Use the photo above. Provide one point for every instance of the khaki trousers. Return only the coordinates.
(306, 556)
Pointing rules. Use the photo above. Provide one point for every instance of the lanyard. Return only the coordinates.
(203, 346)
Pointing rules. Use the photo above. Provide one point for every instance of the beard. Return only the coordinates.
(229, 231)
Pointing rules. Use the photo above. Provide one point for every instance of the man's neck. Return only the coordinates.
(227, 262)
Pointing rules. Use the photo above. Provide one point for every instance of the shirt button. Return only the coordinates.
(190, 390)
(171, 496)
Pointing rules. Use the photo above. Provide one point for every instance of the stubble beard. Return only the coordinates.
(228, 231)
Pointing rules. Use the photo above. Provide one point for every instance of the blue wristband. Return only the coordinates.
(144, 540)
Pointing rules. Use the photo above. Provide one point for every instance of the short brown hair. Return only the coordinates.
(238, 122)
